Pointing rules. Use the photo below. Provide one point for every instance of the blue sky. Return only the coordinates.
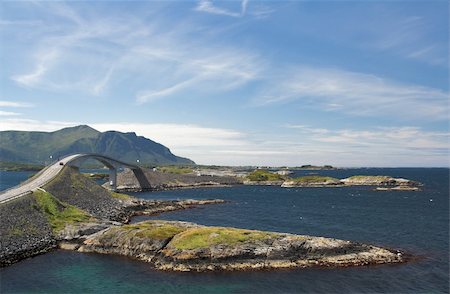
(347, 83)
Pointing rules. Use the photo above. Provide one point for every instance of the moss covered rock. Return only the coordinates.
(181, 246)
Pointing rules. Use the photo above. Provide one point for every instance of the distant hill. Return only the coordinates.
(37, 147)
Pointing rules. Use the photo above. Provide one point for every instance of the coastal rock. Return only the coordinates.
(397, 188)
(181, 246)
(263, 183)
(24, 230)
(312, 181)
(75, 231)
(378, 181)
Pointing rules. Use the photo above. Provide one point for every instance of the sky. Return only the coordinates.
(346, 83)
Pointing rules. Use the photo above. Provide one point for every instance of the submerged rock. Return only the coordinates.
(397, 188)
(183, 246)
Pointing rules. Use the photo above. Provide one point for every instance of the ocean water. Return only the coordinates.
(416, 222)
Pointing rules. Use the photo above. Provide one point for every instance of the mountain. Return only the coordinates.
(37, 147)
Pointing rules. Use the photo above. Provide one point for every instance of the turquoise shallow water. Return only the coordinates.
(413, 221)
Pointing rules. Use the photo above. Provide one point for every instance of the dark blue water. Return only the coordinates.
(417, 222)
(11, 179)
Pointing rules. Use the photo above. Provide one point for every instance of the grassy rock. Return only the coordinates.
(261, 175)
(181, 246)
(312, 181)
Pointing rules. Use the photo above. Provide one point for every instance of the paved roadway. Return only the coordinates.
(38, 181)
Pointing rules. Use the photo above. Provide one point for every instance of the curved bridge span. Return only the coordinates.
(51, 171)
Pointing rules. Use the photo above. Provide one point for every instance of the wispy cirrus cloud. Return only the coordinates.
(8, 113)
(209, 7)
(408, 37)
(12, 104)
(4, 103)
(381, 139)
(357, 94)
(157, 59)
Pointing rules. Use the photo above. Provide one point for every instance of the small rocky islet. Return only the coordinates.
(73, 212)
(183, 246)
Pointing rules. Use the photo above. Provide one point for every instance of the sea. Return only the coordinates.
(415, 222)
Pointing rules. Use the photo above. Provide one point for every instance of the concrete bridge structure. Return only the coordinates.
(50, 172)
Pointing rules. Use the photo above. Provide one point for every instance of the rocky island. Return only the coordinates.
(182, 246)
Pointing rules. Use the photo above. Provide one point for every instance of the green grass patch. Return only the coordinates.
(175, 170)
(208, 236)
(314, 179)
(260, 175)
(153, 230)
(121, 196)
(59, 214)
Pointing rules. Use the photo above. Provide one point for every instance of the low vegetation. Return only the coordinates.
(314, 179)
(121, 196)
(154, 230)
(59, 214)
(204, 237)
(260, 175)
(175, 170)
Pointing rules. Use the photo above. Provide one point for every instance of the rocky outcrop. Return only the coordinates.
(263, 183)
(126, 181)
(181, 246)
(75, 189)
(24, 230)
(397, 188)
(378, 181)
(312, 181)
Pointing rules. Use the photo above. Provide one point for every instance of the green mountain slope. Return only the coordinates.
(37, 147)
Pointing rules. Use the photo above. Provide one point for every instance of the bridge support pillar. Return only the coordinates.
(113, 178)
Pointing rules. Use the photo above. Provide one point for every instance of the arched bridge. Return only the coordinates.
(76, 160)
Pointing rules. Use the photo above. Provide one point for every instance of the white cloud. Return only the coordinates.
(409, 37)
(45, 60)
(8, 113)
(207, 6)
(32, 125)
(4, 103)
(358, 94)
(384, 140)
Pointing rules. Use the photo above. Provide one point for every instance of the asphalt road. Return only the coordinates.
(40, 180)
